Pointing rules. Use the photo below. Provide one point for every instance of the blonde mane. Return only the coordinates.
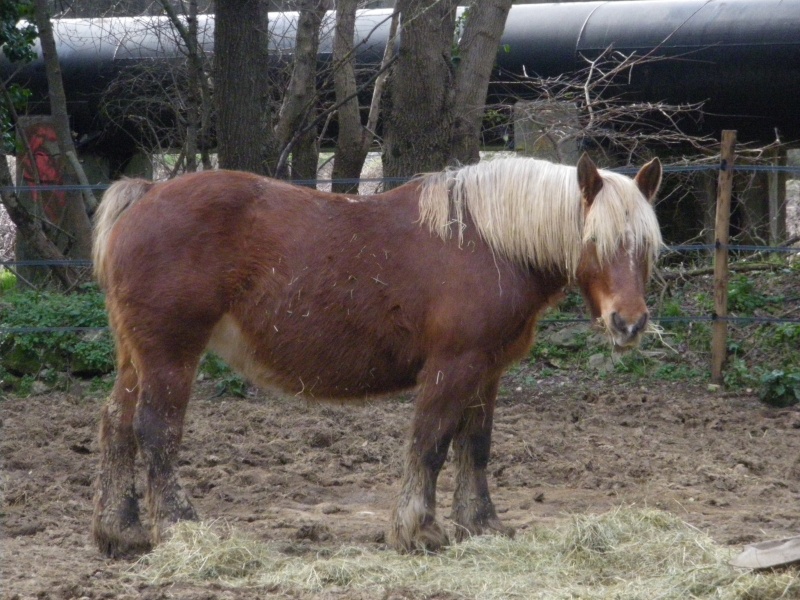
(530, 212)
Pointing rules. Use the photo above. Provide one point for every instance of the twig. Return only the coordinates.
(740, 268)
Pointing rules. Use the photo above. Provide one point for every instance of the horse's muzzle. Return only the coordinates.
(626, 332)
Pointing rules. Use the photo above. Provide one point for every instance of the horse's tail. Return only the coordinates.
(120, 196)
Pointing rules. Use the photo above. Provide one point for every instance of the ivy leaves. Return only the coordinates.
(17, 31)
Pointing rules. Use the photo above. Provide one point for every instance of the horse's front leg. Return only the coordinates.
(473, 510)
(159, 427)
(444, 392)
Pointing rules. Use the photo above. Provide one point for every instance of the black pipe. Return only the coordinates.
(741, 57)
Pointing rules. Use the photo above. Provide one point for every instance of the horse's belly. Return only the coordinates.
(228, 341)
(298, 366)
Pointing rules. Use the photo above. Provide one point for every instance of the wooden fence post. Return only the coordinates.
(721, 233)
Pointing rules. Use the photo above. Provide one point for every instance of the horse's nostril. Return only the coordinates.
(621, 325)
(640, 324)
(618, 322)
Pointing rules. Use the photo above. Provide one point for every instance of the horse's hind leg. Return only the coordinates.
(473, 510)
(165, 389)
(116, 527)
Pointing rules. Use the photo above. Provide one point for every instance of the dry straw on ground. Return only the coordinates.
(626, 554)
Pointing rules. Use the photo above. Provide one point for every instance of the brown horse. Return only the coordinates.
(435, 285)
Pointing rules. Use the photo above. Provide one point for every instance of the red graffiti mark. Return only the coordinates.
(43, 144)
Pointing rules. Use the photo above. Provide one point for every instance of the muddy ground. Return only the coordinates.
(312, 475)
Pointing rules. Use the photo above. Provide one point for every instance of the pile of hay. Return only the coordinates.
(625, 554)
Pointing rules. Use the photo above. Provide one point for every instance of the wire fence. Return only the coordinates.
(788, 169)
(678, 248)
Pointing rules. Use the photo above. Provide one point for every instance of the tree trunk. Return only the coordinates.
(478, 47)
(303, 88)
(293, 130)
(198, 95)
(353, 141)
(75, 220)
(245, 139)
(418, 115)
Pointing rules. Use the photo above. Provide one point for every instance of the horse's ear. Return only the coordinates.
(649, 179)
(589, 179)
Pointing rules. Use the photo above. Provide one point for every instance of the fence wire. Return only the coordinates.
(569, 320)
(678, 248)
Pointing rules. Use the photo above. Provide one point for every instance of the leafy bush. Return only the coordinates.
(228, 382)
(739, 375)
(743, 297)
(672, 308)
(8, 281)
(37, 346)
(788, 333)
(780, 388)
(677, 372)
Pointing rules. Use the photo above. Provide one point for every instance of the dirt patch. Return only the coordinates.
(313, 475)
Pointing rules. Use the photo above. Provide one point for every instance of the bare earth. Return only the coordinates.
(314, 475)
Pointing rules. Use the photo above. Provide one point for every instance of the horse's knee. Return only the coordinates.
(157, 433)
(158, 420)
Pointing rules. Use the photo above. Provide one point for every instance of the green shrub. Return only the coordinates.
(36, 347)
(780, 388)
(228, 382)
(739, 375)
(705, 302)
(8, 281)
(635, 364)
(788, 333)
(743, 297)
(676, 372)
(672, 308)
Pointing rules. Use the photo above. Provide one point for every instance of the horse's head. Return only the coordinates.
(620, 243)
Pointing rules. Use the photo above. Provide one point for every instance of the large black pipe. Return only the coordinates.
(741, 57)
(93, 53)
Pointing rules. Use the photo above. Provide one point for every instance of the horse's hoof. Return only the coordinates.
(492, 526)
(126, 543)
(161, 527)
(426, 539)
(431, 538)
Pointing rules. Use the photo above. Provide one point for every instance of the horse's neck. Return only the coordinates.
(408, 192)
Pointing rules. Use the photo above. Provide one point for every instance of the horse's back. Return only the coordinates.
(195, 225)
